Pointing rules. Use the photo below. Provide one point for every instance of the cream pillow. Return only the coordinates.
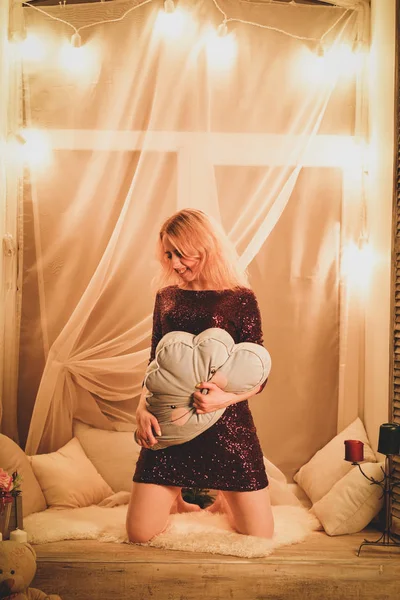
(300, 495)
(352, 502)
(328, 466)
(281, 494)
(13, 458)
(279, 490)
(113, 453)
(68, 479)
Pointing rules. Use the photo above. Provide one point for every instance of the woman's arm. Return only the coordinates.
(217, 398)
(147, 423)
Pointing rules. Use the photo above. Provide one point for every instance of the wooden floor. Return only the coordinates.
(321, 568)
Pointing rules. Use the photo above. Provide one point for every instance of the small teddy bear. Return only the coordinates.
(17, 570)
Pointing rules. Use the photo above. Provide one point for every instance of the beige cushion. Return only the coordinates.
(352, 502)
(279, 490)
(300, 495)
(68, 479)
(273, 471)
(13, 458)
(183, 360)
(328, 466)
(113, 453)
(281, 494)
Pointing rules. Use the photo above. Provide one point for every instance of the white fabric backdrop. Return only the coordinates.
(158, 126)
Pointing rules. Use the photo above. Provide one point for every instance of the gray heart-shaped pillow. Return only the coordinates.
(182, 361)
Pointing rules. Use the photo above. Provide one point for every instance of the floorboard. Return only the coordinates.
(320, 568)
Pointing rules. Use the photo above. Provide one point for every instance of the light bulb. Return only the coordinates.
(320, 50)
(222, 30)
(221, 50)
(36, 150)
(20, 139)
(358, 262)
(80, 60)
(18, 36)
(171, 24)
(32, 48)
(359, 47)
(169, 6)
(76, 40)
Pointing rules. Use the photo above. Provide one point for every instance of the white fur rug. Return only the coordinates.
(193, 532)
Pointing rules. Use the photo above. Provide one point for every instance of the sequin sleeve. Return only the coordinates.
(156, 334)
(250, 327)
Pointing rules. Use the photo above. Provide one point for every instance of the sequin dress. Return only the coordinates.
(228, 455)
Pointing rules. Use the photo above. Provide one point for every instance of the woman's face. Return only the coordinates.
(186, 268)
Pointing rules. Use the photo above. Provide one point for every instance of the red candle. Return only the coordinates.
(354, 451)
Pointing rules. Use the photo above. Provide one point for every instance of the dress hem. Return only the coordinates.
(204, 485)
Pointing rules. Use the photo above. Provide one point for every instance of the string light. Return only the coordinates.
(169, 8)
(358, 262)
(32, 48)
(18, 137)
(76, 40)
(171, 23)
(320, 50)
(31, 146)
(18, 36)
(221, 49)
(222, 30)
(277, 29)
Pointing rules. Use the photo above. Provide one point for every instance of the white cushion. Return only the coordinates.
(182, 361)
(352, 502)
(68, 479)
(13, 458)
(328, 466)
(113, 453)
(281, 494)
(300, 494)
(279, 490)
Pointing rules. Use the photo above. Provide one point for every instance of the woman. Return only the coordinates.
(209, 289)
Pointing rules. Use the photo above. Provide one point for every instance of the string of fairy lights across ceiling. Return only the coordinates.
(171, 14)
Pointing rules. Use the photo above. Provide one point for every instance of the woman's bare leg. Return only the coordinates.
(249, 513)
(148, 510)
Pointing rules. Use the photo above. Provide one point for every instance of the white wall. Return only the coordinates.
(381, 175)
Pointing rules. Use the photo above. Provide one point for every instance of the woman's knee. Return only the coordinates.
(262, 530)
(251, 513)
(138, 535)
(148, 511)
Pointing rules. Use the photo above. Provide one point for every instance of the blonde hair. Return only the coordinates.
(196, 235)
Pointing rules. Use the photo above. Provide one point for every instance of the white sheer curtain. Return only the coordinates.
(159, 124)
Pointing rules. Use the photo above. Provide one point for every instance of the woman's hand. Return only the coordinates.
(147, 424)
(213, 400)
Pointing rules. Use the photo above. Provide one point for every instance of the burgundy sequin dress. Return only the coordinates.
(228, 455)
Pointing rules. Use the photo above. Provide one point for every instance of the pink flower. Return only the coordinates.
(6, 481)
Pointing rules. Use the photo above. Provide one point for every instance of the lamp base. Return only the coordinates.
(385, 540)
(387, 484)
